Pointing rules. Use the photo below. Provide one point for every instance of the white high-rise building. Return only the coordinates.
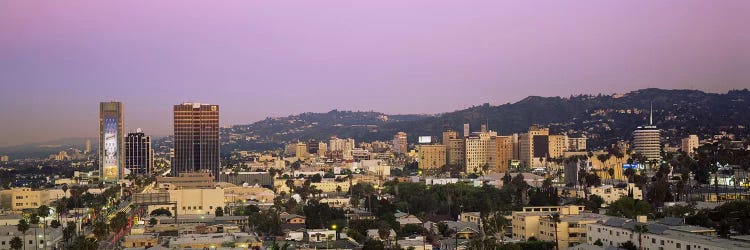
(647, 141)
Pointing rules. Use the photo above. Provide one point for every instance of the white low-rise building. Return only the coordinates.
(616, 231)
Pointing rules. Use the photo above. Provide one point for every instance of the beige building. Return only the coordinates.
(576, 144)
(501, 152)
(301, 151)
(448, 135)
(242, 194)
(557, 145)
(689, 144)
(601, 168)
(610, 194)
(526, 223)
(332, 186)
(194, 201)
(478, 147)
(140, 240)
(322, 149)
(26, 198)
(186, 181)
(526, 144)
(456, 151)
(215, 241)
(4, 158)
(431, 156)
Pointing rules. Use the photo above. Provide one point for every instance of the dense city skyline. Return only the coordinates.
(276, 59)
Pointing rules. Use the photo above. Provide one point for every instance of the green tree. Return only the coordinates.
(412, 229)
(316, 178)
(55, 224)
(594, 203)
(34, 219)
(84, 243)
(598, 242)
(628, 245)
(119, 222)
(628, 207)
(101, 230)
(371, 244)
(219, 212)
(161, 212)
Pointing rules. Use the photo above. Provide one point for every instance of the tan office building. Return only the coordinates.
(456, 151)
(526, 144)
(501, 151)
(431, 156)
(478, 151)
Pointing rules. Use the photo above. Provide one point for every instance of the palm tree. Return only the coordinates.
(16, 243)
(640, 229)
(23, 226)
(555, 218)
(43, 212)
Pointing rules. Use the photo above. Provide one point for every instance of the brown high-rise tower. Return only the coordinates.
(196, 139)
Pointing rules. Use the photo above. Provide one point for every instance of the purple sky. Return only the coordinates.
(58, 59)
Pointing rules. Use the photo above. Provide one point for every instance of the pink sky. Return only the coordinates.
(58, 59)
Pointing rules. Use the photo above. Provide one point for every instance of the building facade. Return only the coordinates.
(478, 147)
(526, 223)
(111, 143)
(400, 144)
(526, 144)
(689, 144)
(501, 151)
(647, 142)
(456, 151)
(139, 155)
(196, 138)
(432, 156)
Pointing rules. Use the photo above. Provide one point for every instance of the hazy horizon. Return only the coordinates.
(58, 60)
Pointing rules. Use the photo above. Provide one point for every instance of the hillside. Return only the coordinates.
(602, 118)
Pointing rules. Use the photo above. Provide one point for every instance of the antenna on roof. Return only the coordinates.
(651, 115)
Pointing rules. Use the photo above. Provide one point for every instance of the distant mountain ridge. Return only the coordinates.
(604, 119)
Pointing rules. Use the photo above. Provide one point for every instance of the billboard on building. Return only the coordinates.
(425, 139)
(111, 157)
(632, 166)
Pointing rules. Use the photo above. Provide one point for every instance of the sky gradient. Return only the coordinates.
(256, 59)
